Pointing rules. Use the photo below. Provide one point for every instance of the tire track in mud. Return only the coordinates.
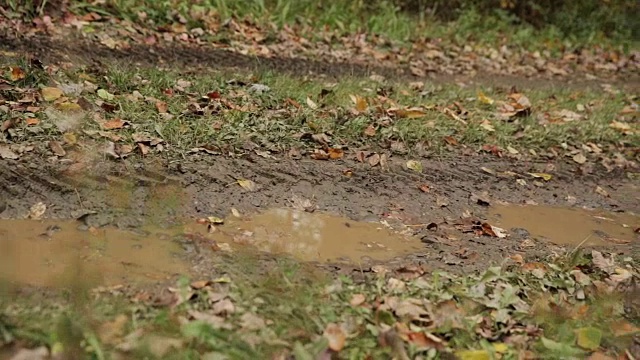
(78, 49)
(205, 186)
(48, 49)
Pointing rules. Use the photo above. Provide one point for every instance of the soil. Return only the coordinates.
(128, 193)
(76, 49)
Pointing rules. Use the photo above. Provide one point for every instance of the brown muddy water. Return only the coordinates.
(55, 252)
(568, 226)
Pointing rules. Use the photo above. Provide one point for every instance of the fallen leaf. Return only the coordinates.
(414, 165)
(566, 115)
(336, 336)
(543, 176)
(105, 95)
(370, 131)
(357, 299)
(360, 103)
(424, 188)
(311, 103)
(7, 153)
(473, 355)
(486, 124)
(56, 148)
(162, 107)
(51, 93)
(69, 138)
(113, 124)
(37, 210)
(335, 154)
(17, 73)
(450, 140)
(247, 184)
(410, 113)
(374, 159)
(588, 338)
(32, 121)
(602, 191)
(580, 158)
(484, 98)
(623, 127)
(493, 231)
(319, 154)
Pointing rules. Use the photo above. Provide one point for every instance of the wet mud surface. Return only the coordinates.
(448, 223)
(445, 225)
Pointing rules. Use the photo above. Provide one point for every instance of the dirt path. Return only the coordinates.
(80, 50)
(124, 193)
(204, 183)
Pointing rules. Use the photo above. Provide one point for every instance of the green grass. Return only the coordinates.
(451, 117)
(284, 307)
(538, 26)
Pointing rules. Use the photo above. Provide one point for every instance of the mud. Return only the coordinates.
(567, 226)
(316, 236)
(58, 253)
(132, 194)
(79, 50)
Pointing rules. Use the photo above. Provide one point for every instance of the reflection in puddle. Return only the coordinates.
(50, 253)
(316, 236)
(568, 226)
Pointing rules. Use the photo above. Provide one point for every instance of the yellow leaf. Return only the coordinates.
(500, 347)
(410, 113)
(247, 184)
(543, 176)
(414, 165)
(51, 93)
(68, 107)
(473, 355)
(589, 338)
(360, 103)
(215, 220)
(484, 98)
(70, 138)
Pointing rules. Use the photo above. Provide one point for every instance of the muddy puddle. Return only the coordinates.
(56, 253)
(565, 226)
(315, 236)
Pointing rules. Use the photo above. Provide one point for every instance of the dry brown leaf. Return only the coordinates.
(113, 124)
(17, 74)
(357, 299)
(580, 158)
(336, 336)
(374, 159)
(56, 148)
(162, 107)
(370, 131)
(319, 154)
(32, 121)
(602, 191)
(335, 154)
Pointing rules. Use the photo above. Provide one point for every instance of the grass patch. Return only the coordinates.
(148, 110)
(525, 23)
(283, 307)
